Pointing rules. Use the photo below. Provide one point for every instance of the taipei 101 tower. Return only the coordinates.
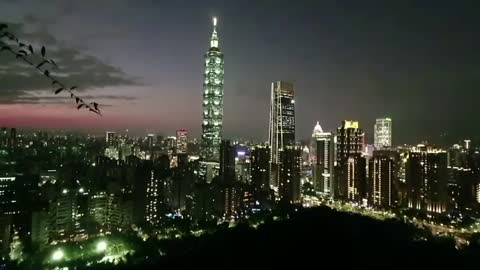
(212, 100)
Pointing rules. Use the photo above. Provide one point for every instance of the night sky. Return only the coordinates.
(414, 61)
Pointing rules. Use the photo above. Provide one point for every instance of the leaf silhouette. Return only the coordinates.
(71, 95)
(21, 44)
(41, 64)
(22, 52)
(77, 99)
(5, 48)
(53, 62)
(95, 105)
(3, 26)
(58, 90)
(73, 88)
(47, 73)
(43, 51)
(30, 48)
(55, 82)
(80, 106)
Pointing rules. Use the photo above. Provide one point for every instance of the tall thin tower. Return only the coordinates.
(282, 124)
(212, 100)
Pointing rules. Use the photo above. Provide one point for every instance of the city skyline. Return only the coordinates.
(379, 78)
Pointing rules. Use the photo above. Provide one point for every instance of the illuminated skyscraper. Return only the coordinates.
(212, 100)
(383, 183)
(322, 158)
(383, 133)
(182, 141)
(348, 169)
(427, 179)
(282, 124)
(110, 138)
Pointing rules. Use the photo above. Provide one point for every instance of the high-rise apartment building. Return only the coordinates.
(383, 178)
(212, 100)
(427, 179)
(289, 174)
(322, 159)
(348, 172)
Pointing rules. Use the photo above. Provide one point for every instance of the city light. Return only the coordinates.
(58, 255)
(101, 246)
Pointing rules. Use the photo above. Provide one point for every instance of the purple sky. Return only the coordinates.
(410, 60)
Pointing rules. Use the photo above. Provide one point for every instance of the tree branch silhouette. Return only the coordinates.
(25, 52)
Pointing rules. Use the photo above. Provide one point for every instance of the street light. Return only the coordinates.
(57, 255)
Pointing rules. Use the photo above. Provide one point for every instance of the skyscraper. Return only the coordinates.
(427, 179)
(289, 176)
(282, 123)
(110, 138)
(356, 178)
(229, 192)
(212, 100)
(227, 162)
(322, 156)
(260, 171)
(182, 141)
(349, 145)
(150, 138)
(383, 181)
(383, 133)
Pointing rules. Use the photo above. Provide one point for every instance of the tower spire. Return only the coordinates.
(214, 39)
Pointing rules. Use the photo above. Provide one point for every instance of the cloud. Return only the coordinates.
(21, 83)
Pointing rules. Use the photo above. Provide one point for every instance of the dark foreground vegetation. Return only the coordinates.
(318, 237)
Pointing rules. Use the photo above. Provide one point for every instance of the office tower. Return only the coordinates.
(212, 100)
(110, 138)
(289, 174)
(427, 179)
(227, 162)
(182, 141)
(281, 125)
(383, 133)
(150, 138)
(170, 144)
(322, 158)
(229, 191)
(383, 181)
(349, 146)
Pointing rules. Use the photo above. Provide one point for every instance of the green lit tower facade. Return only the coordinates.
(212, 100)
